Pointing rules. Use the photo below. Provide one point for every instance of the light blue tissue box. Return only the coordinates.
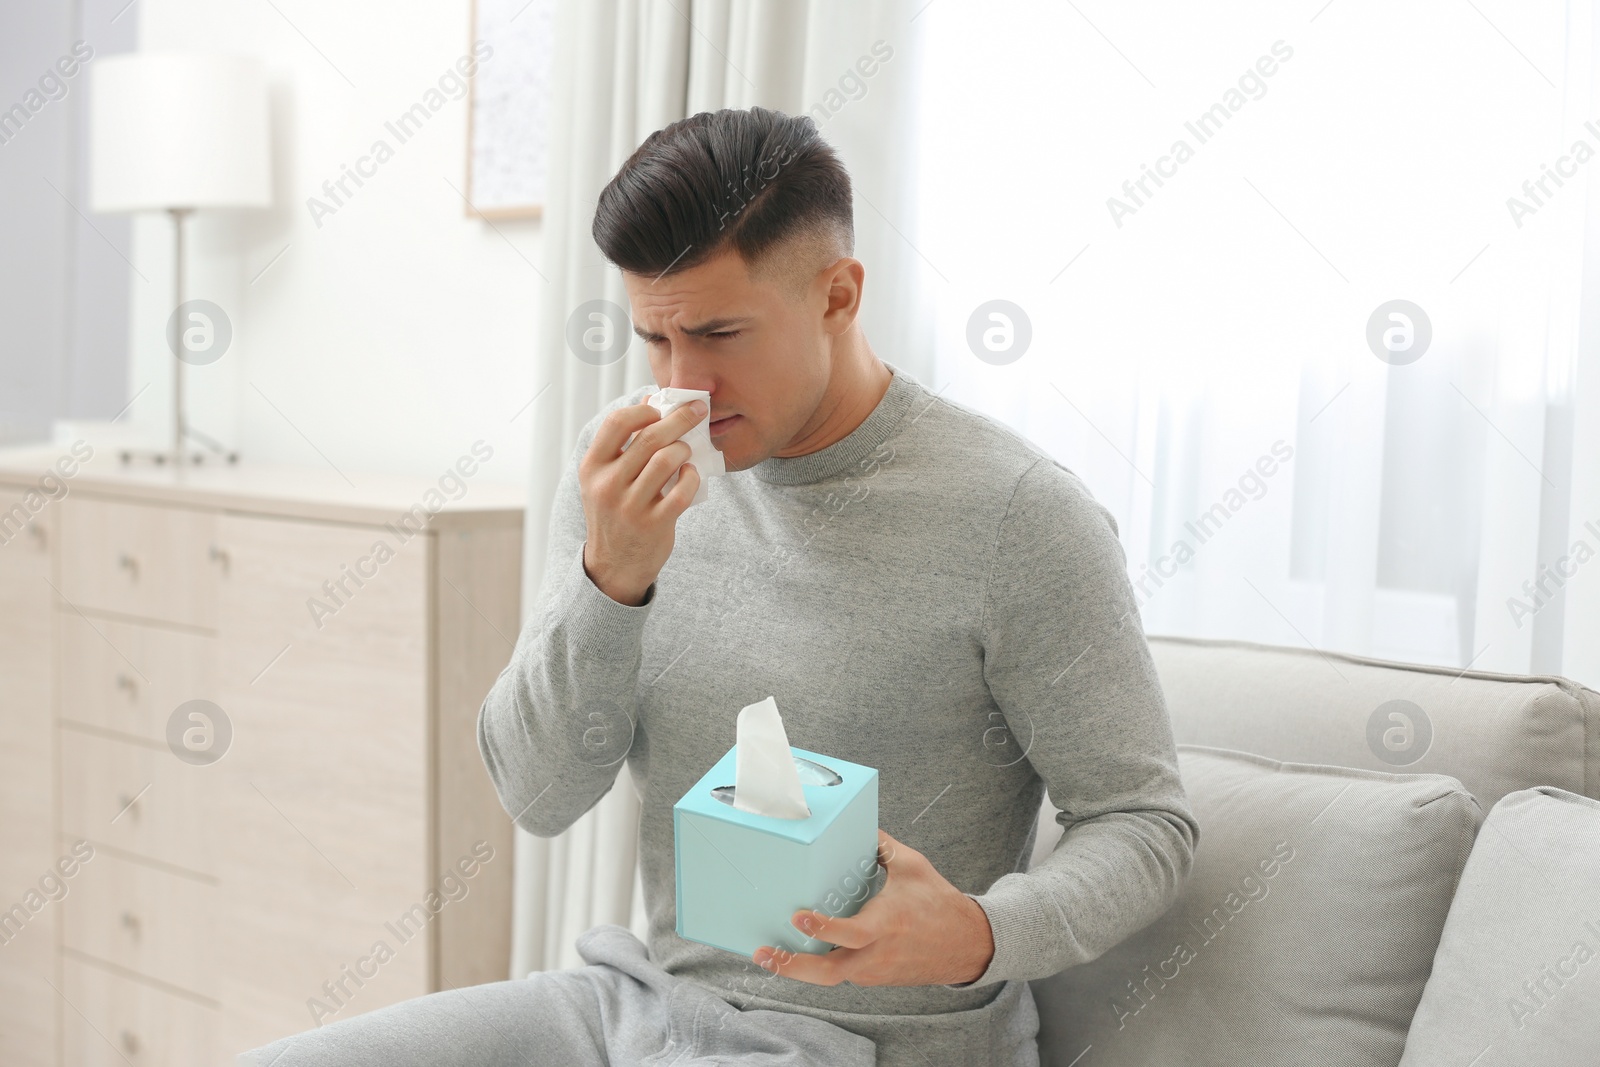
(742, 876)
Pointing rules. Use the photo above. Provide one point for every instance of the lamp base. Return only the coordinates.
(183, 457)
(192, 457)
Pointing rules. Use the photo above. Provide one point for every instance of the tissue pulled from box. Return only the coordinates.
(766, 781)
(702, 453)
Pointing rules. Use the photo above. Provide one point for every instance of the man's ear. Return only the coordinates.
(841, 282)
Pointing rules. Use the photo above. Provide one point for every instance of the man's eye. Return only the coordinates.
(725, 334)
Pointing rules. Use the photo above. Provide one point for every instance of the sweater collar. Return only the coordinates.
(845, 453)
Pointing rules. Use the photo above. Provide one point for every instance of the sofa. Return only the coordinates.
(1398, 864)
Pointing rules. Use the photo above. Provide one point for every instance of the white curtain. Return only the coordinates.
(623, 69)
(1218, 320)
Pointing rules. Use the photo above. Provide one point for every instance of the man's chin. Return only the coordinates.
(737, 451)
(735, 460)
(738, 455)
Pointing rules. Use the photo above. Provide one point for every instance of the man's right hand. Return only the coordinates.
(631, 525)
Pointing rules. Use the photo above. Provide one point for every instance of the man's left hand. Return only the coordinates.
(918, 930)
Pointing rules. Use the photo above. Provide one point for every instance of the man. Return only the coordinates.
(920, 588)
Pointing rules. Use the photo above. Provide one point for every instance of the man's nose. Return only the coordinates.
(685, 374)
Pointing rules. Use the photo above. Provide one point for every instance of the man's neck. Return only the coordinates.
(858, 384)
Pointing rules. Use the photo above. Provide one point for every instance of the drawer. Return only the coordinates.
(143, 560)
(27, 522)
(119, 1021)
(144, 919)
(139, 799)
(130, 677)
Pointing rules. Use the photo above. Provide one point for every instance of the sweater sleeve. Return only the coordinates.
(559, 720)
(1066, 662)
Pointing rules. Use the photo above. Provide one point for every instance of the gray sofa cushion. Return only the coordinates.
(1305, 932)
(1495, 733)
(1516, 981)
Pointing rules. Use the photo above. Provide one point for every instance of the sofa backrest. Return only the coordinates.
(1495, 733)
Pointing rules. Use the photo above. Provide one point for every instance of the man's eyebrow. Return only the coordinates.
(701, 330)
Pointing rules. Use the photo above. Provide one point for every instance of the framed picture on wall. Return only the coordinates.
(508, 117)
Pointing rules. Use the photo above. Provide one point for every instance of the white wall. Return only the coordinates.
(398, 332)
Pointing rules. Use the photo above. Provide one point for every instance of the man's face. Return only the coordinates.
(764, 354)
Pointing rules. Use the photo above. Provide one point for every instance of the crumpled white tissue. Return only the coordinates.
(703, 454)
(765, 779)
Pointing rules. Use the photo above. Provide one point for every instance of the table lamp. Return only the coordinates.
(179, 132)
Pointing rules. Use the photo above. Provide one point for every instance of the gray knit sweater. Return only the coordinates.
(933, 596)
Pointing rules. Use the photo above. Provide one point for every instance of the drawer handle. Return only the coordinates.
(130, 1042)
(220, 556)
(130, 923)
(37, 533)
(129, 564)
(126, 683)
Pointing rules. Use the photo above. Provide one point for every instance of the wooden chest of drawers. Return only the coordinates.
(332, 642)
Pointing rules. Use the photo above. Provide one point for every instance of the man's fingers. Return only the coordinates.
(645, 489)
(855, 931)
(615, 429)
(677, 500)
(655, 436)
(613, 434)
(829, 968)
(889, 849)
(689, 416)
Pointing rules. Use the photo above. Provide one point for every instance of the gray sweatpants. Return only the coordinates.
(620, 1009)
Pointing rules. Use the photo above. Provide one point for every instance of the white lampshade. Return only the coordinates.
(177, 130)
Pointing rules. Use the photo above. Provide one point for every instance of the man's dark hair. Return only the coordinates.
(746, 179)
